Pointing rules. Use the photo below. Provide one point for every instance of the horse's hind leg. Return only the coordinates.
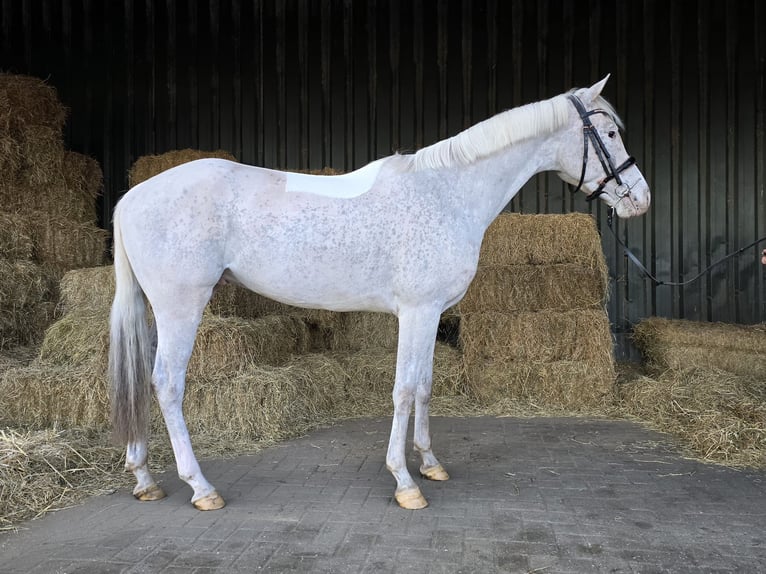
(176, 330)
(136, 462)
(136, 458)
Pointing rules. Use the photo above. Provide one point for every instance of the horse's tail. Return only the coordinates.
(130, 350)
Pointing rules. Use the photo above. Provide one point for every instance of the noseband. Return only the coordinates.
(591, 134)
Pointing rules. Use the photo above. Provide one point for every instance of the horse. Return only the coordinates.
(401, 235)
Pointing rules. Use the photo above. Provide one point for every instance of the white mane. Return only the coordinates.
(495, 133)
(502, 130)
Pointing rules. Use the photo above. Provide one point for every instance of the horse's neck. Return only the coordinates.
(489, 184)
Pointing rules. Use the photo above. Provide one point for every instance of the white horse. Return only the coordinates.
(401, 235)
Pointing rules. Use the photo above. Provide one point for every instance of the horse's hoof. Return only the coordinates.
(410, 498)
(212, 501)
(434, 473)
(151, 492)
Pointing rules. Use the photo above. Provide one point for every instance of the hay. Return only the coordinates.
(679, 344)
(150, 165)
(561, 287)
(27, 292)
(45, 470)
(26, 101)
(542, 336)
(42, 395)
(570, 385)
(66, 244)
(358, 330)
(236, 301)
(515, 239)
(721, 416)
(223, 344)
(86, 290)
(15, 238)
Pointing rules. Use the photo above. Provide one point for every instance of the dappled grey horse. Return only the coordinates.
(400, 235)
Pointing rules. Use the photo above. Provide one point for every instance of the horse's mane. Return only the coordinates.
(500, 131)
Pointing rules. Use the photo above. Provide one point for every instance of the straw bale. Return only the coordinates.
(64, 243)
(224, 345)
(371, 373)
(42, 395)
(231, 344)
(87, 289)
(561, 287)
(25, 101)
(266, 402)
(69, 190)
(27, 292)
(148, 166)
(515, 239)
(236, 301)
(680, 344)
(539, 336)
(358, 330)
(565, 384)
(15, 238)
(721, 416)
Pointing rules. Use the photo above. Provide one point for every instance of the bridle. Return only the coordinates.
(590, 134)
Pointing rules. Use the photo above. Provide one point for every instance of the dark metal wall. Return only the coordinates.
(311, 83)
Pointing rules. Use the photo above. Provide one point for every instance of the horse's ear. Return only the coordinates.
(595, 90)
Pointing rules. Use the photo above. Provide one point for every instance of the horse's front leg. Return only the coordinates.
(431, 468)
(414, 365)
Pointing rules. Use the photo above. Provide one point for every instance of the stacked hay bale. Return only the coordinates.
(678, 344)
(533, 325)
(706, 386)
(48, 220)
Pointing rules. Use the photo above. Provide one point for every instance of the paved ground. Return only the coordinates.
(538, 495)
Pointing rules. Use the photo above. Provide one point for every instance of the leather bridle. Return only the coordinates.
(590, 134)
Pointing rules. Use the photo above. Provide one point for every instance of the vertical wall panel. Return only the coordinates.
(296, 84)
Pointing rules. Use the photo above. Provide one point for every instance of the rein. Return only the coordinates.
(652, 278)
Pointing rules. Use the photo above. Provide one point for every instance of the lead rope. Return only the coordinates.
(656, 281)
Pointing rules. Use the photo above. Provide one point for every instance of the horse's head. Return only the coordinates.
(594, 159)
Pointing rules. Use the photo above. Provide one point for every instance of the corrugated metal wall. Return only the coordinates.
(305, 84)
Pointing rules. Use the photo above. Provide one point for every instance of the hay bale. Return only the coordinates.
(64, 243)
(572, 385)
(15, 237)
(236, 301)
(150, 165)
(27, 101)
(680, 344)
(371, 375)
(224, 345)
(721, 416)
(42, 395)
(27, 295)
(357, 330)
(266, 402)
(515, 239)
(86, 290)
(561, 287)
(542, 336)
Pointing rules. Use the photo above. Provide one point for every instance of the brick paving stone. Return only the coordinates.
(552, 495)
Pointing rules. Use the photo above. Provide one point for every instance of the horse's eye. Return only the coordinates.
(611, 134)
